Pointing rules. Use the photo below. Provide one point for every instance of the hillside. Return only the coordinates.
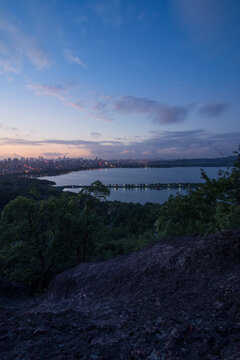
(179, 299)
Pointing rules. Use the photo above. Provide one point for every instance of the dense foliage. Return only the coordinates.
(15, 185)
(213, 207)
(41, 237)
(44, 232)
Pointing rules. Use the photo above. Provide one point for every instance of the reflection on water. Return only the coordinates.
(141, 196)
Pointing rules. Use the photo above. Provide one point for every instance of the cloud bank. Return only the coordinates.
(161, 144)
(156, 111)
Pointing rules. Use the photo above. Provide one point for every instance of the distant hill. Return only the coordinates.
(203, 162)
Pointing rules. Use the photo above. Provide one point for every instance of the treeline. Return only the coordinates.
(46, 231)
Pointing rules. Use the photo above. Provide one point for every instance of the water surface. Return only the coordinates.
(136, 176)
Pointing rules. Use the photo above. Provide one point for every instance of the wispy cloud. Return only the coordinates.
(8, 128)
(213, 109)
(106, 108)
(79, 104)
(53, 154)
(102, 111)
(8, 65)
(93, 109)
(56, 90)
(61, 91)
(16, 45)
(74, 59)
(95, 135)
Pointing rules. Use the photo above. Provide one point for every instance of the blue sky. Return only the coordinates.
(119, 78)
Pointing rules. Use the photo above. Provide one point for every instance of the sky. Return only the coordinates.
(119, 79)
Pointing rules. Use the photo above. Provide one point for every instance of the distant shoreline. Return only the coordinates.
(60, 169)
(62, 172)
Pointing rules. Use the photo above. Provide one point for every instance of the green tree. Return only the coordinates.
(97, 190)
(212, 207)
(24, 244)
(39, 238)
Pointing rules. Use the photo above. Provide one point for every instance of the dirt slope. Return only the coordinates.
(179, 299)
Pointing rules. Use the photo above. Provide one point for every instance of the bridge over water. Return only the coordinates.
(156, 186)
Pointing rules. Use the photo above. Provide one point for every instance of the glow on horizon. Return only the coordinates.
(47, 152)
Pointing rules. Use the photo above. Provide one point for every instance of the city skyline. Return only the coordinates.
(119, 79)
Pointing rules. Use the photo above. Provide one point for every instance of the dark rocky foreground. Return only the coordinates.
(174, 300)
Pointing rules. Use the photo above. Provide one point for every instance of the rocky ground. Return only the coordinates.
(179, 299)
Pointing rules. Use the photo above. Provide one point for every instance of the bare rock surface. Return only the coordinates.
(177, 299)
